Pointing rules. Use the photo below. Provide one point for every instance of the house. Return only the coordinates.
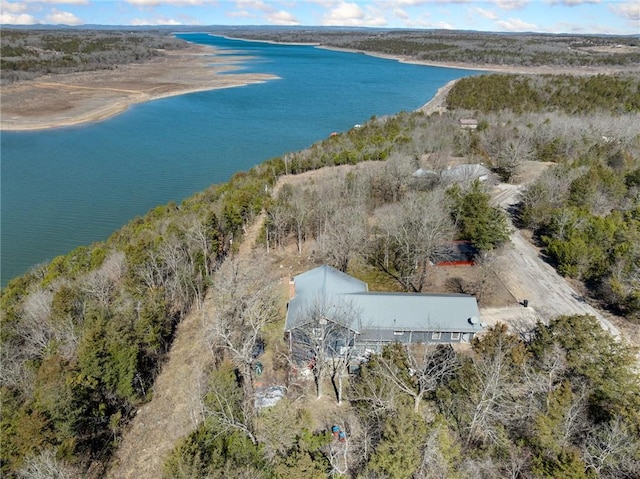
(368, 320)
(464, 173)
(422, 173)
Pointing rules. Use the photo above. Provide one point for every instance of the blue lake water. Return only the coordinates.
(67, 187)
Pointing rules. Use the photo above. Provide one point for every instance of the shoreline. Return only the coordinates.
(485, 67)
(511, 69)
(66, 100)
(436, 104)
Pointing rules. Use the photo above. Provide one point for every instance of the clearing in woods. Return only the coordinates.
(174, 412)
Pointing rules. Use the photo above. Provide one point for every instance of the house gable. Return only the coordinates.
(325, 285)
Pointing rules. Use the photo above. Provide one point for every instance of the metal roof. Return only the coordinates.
(322, 284)
(389, 311)
(465, 172)
(417, 312)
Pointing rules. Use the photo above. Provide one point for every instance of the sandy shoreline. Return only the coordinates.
(55, 101)
(65, 100)
(514, 69)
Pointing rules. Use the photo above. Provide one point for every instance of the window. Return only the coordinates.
(398, 333)
(455, 336)
(436, 335)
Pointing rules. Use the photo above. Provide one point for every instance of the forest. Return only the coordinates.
(467, 47)
(29, 53)
(85, 335)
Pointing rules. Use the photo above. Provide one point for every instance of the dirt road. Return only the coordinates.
(527, 276)
(174, 410)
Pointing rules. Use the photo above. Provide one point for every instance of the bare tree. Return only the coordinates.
(300, 211)
(46, 466)
(36, 326)
(513, 153)
(101, 283)
(612, 451)
(345, 237)
(278, 220)
(435, 463)
(544, 377)
(323, 334)
(489, 395)
(246, 299)
(484, 285)
(227, 405)
(411, 235)
(198, 234)
(228, 416)
(418, 369)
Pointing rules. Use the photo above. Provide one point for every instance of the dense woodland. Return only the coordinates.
(470, 48)
(26, 53)
(84, 336)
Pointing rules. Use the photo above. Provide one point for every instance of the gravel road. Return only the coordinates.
(527, 276)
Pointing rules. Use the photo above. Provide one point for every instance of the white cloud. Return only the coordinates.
(240, 14)
(12, 7)
(62, 2)
(485, 13)
(157, 21)
(511, 4)
(417, 3)
(254, 5)
(350, 14)
(282, 18)
(517, 25)
(400, 13)
(628, 10)
(410, 3)
(57, 17)
(572, 3)
(177, 3)
(17, 19)
(444, 26)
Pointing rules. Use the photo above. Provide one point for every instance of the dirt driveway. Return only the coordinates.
(528, 277)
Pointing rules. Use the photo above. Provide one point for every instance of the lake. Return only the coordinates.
(67, 187)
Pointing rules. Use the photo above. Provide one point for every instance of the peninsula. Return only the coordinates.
(74, 98)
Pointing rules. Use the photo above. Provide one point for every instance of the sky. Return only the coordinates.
(547, 16)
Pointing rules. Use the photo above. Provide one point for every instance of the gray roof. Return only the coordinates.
(465, 172)
(417, 312)
(384, 311)
(422, 173)
(323, 283)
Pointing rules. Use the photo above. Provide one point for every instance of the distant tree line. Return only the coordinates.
(27, 54)
(471, 48)
(616, 94)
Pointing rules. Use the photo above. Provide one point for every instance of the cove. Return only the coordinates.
(67, 187)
